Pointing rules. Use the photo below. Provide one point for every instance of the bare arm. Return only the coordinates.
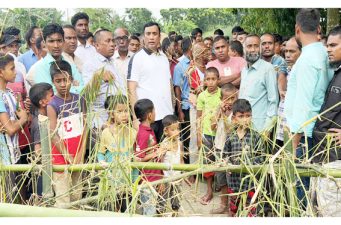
(199, 130)
(235, 79)
(178, 103)
(55, 139)
(282, 84)
(13, 126)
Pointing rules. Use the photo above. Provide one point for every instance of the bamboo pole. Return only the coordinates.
(305, 170)
(44, 128)
(16, 210)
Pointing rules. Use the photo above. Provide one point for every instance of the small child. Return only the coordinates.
(242, 145)
(147, 151)
(40, 95)
(173, 153)
(117, 147)
(66, 114)
(222, 123)
(207, 104)
(12, 121)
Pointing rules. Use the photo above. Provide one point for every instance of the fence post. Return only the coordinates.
(44, 128)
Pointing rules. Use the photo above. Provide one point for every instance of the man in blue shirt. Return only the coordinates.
(181, 88)
(306, 87)
(31, 56)
(53, 35)
(259, 86)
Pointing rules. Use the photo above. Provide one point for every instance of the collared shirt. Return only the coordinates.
(259, 87)
(42, 74)
(180, 80)
(307, 86)
(74, 60)
(97, 63)
(152, 73)
(85, 52)
(121, 65)
(28, 59)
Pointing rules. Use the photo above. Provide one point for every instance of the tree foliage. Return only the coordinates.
(137, 18)
(23, 19)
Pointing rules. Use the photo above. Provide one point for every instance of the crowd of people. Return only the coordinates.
(179, 100)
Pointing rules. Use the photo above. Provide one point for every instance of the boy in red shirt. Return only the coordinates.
(146, 151)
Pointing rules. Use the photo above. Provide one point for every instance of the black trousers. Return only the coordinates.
(185, 135)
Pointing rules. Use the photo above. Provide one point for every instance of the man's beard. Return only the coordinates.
(335, 65)
(252, 57)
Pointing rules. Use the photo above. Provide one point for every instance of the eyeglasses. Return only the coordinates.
(122, 38)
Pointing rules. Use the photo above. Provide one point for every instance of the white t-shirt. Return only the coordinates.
(151, 71)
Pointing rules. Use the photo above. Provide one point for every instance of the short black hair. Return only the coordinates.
(238, 47)
(90, 34)
(196, 31)
(171, 33)
(142, 107)
(113, 100)
(133, 37)
(5, 59)
(12, 31)
(219, 32)
(169, 120)
(150, 24)
(29, 34)
(237, 29)
(269, 34)
(218, 38)
(228, 87)
(335, 31)
(178, 38)
(213, 70)
(278, 38)
(166, 43)
(38, 92)
(97, 33)
(308, 20)
(186, 44)
(60, 67)
(208, 39)
(38, 43)
(241, 106)
(136, 34)
(79, 16)
(68, 26)
(52, 28)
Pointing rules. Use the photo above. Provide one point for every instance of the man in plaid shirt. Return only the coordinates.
(243, 146)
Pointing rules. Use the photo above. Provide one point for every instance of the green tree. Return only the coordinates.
(103, 18)
(23, 19)
(137, 18)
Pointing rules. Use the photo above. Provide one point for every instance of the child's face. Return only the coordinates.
(62, 82)
(45, 101)
(121, 114)
(242, 119)
(228, 98)
(151, 116)
(8, 73)
(172, 131)
(211, 82)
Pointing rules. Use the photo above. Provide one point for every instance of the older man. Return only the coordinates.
(122, 55)
(259, 86)
(149, 77)
(70, 46)
(100, 68)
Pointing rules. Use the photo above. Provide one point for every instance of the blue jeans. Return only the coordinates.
(302, 153)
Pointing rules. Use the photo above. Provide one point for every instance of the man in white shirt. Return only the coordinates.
(122, 55)
(149, 77)
(84, 51)
(70, 46)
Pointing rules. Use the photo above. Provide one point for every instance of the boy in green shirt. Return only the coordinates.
(207, 104)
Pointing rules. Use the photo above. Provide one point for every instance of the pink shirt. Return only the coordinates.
(231, 67)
